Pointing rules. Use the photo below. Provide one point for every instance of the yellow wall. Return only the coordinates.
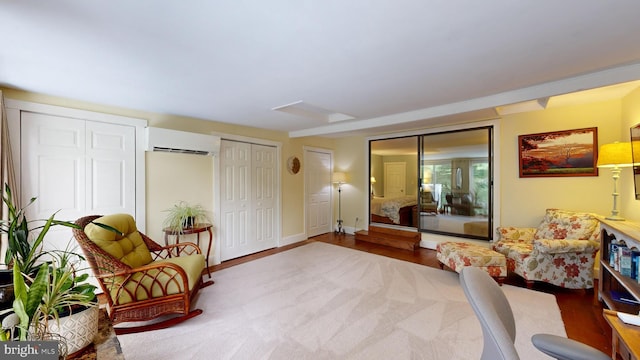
(351, 156)
(523, 200)
(195, 182)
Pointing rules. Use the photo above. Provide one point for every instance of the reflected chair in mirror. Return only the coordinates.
(493, 311)
(460, 204)
(142, 280)
(428, 203)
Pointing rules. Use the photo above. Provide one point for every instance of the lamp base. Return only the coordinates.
(615, 218)
(339, 229)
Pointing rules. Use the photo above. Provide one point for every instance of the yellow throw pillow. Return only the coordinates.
(128, 247)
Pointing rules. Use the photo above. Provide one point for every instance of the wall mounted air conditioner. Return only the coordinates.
(159, 139)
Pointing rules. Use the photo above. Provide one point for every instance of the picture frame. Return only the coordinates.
(559, 153)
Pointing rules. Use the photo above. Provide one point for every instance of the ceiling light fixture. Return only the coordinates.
(301, 108)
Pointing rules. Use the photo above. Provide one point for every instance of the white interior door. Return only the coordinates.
(76, 168)
(395, 179)
(317, 176)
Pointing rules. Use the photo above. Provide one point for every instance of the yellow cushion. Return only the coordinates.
(193, 265)
(128, 248)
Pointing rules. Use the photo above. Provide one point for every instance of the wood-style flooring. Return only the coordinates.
(581, 312)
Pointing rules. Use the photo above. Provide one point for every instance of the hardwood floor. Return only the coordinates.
(581, 312)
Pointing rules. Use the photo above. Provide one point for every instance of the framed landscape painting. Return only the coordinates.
(559, 153)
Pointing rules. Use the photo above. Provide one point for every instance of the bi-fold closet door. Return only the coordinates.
(75, 167)
(248, 204)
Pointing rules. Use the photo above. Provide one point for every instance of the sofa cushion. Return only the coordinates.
(563, 224)
(127, 247)
(517, 234)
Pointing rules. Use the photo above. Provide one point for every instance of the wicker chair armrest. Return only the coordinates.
(175, 250)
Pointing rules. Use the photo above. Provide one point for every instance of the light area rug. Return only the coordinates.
(322, 301)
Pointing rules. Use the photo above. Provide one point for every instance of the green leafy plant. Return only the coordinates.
(56, 290)
(183, 215)
(21, 250)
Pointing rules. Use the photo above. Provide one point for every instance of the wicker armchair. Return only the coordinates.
(141, 279)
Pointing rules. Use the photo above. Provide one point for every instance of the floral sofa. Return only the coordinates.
(560, 251)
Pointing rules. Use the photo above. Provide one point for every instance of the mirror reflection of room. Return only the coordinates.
(394, 181)
(455, 189)
(446, 191)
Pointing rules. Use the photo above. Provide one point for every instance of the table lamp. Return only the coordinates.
(615, 156)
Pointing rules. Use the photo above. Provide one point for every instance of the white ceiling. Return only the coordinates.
(389, 64)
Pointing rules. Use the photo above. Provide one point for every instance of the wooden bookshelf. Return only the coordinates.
(611, 280)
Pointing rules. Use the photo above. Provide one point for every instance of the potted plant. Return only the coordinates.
(21, 249)
(59, 303)
(45, 284)
(183, 216)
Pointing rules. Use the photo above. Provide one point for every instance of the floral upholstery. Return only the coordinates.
(457, 255)
(560, 251)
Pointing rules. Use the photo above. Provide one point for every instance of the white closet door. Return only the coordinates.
(317, 176)
(248, 204)
(77, 168)
(264, 196)
(110, 155)
(235, 192)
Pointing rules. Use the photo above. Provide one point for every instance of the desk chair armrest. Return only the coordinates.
(566, 349)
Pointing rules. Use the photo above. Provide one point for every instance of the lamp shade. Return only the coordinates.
(373, 180)
(339, 178)
(615, 154)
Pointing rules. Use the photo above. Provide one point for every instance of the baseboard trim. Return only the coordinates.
(292, 239)
(430, 241)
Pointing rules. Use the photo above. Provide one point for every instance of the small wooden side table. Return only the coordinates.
(625, 338)
(196, 229)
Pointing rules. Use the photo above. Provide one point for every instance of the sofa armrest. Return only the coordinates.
(555, 246)
(511, 233)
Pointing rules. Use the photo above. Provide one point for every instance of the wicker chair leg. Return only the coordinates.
(159, 325)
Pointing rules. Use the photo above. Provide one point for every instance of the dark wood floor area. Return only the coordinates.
(581, 313)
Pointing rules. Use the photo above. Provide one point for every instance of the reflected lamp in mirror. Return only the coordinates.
(339, 178)
(372, 181)
(615, 156)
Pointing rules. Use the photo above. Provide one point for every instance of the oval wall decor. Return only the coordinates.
(293, 165)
